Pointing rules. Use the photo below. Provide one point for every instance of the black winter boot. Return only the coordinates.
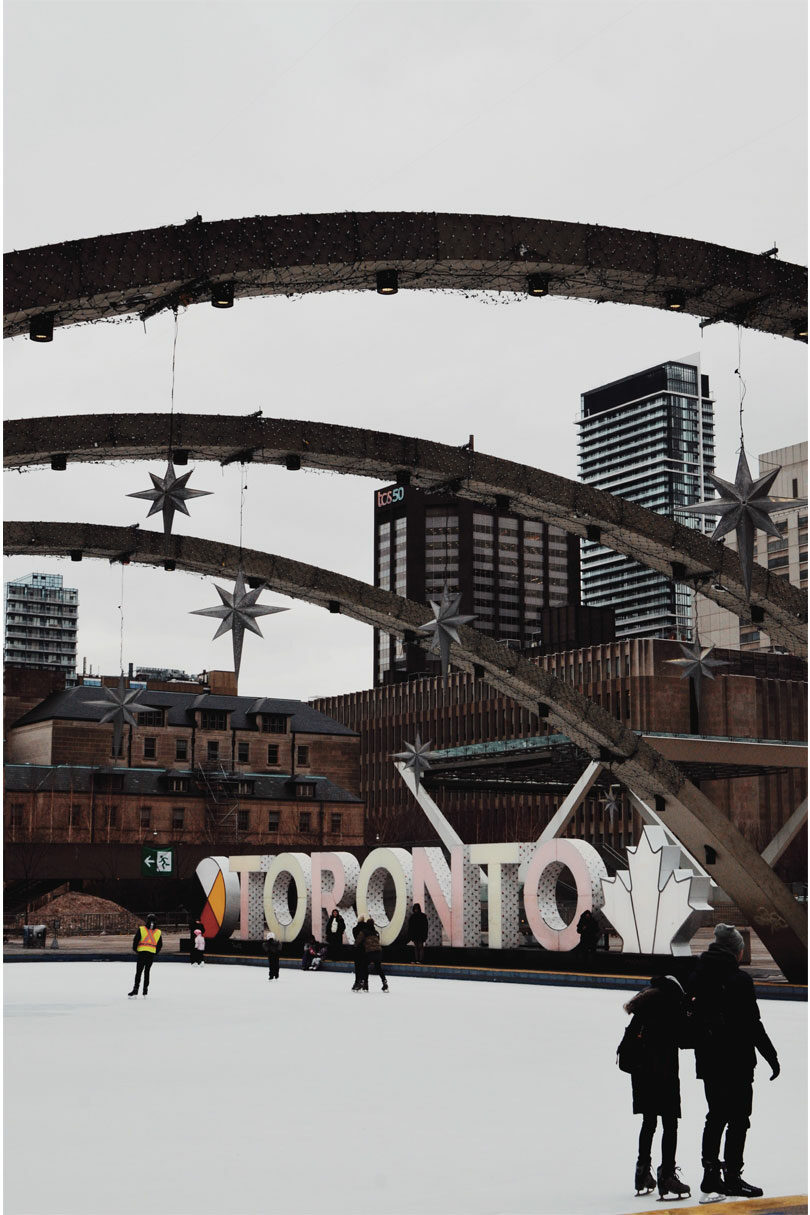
(711, 1187)
(645, 1182)
(735, 1187)
(670, 1186)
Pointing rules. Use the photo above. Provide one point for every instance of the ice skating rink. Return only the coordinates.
(224, 1093)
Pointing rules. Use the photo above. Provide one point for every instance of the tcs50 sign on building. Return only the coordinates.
(654, 905)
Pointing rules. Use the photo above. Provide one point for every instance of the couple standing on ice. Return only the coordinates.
(719, 1018)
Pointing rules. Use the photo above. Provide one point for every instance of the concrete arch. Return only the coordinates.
(695, 821)
(657, 541)
(145, 271)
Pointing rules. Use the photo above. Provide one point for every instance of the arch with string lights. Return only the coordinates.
(139, 274)
(682, 553)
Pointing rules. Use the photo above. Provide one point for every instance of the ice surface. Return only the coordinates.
(226, 1094)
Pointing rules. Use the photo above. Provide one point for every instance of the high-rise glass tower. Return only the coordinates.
(41, 623)
(506, 568)
(648, 438)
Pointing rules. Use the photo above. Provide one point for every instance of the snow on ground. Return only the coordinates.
(222, 1092)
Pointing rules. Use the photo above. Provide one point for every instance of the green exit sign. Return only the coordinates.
(157, 862)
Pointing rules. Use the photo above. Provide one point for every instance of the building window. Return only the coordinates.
(305, 790)
(112, 816)
(272, 753)
(243, 752)
(244, 786)
(304, 819)
(149, 748)
(153, 718)
(74, 816)
(273, 820)
(146, 816)
(213, 751)
(274, 723)
(211, 719)
(335, 821)
(303, 756)
(178, 818)
(181, 748)
(243, 820)
(17, 815)
(178, 784)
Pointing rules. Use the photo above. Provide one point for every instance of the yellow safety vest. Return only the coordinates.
(149, 940)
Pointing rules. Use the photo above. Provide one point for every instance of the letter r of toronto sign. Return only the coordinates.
(254, 893)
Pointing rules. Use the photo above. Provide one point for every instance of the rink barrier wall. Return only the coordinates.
(477, 974)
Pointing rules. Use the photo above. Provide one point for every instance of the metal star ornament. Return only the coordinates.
(744, 507)
(118, 704)
(445, 626)
(169, 494)
(238, 611)
(415, 758)
(611, 803)
(697, 661)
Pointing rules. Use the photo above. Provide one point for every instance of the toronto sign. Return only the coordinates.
(655, 905)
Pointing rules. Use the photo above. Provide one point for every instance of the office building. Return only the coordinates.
(507, 569)
(41, 623)
(786, 556)
(502, 772)
(648, 438)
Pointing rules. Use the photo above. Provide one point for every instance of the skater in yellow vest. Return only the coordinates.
(146, 944)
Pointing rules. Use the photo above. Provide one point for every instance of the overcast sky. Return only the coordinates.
(660, 115)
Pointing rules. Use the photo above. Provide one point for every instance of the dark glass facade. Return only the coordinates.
(507, 569)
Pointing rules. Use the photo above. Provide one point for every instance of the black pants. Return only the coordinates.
(730, 1099)
(669, 1140)
(419, 950)
(196, 956)
(272, 965)
(143, 965)
(374, 964)
(360, 968)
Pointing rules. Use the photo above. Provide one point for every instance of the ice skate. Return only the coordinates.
(645, 1182)
(385, 987)
(735, 1187)
(130, 994)
(670, 1186)
(711, 1187)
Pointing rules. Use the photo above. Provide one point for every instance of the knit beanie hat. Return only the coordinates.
(726, 937)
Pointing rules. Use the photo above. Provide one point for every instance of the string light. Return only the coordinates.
(537, 284)
(387, 282)
(41, 328)
(222, 295)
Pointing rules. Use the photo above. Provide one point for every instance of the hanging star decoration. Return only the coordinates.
(238, 611)
(169, 494)
(445, 625)
(744, 507)
(118, 704)
(611, 803)
(697, 661)
(415, 758)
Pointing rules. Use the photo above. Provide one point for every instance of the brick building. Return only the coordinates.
(200, 770)
(757, 696)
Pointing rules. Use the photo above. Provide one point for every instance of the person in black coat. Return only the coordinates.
(658, 1027)
(589, 932)
(272, 947)
(728, 1033)
(360, 965)
(373, 950)
(335, 928)
(418, 931)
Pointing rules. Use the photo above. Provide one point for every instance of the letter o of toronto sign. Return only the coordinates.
(540, 890)
(285, 868)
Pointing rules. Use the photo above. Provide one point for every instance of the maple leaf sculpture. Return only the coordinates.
(654, 905)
